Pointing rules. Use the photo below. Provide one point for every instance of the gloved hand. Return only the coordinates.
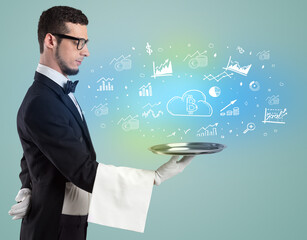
(171, 168)
(20, 209)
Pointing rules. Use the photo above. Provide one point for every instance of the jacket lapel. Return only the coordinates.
(68, 102)
(71, 106)
(88, 133)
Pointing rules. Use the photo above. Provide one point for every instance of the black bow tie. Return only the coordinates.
(70, 86)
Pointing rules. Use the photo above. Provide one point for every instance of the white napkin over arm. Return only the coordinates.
(121, 197)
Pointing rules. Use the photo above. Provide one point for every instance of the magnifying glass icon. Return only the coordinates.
(250, 127)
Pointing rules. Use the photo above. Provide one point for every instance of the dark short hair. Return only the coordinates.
(53, 21)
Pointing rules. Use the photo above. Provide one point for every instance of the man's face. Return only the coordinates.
(67, 55)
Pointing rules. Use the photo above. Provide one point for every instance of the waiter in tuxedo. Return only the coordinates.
(63, 186)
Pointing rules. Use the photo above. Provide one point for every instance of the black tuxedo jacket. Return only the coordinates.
(57, 149)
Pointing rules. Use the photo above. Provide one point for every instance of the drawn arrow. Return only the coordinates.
(231, 103)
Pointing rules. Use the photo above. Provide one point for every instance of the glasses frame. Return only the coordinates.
(73, 38)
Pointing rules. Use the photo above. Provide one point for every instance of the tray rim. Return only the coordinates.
(223, 146)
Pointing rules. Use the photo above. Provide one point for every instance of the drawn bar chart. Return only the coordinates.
(145, 91)
(105, 87)
(208, 131)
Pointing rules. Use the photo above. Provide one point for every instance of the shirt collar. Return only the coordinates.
(54, 75)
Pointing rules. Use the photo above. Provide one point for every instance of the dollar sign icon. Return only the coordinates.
(191, 107)
(148, 47)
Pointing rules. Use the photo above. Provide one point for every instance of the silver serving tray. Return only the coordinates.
(186, 149)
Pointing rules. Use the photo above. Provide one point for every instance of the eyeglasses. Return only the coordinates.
(81, 41)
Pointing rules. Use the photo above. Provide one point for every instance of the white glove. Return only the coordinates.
(20, 209)
(171, 168)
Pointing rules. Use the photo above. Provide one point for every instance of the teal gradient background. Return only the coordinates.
(256, 188)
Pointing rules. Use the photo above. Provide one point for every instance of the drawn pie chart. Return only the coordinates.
(215, 91)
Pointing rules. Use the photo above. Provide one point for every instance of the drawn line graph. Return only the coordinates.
(196, 53)
(217, 78)
(205, 128)
(105, 79)
(150, 105)
(127, 118)
(146, 114)
(117, 59)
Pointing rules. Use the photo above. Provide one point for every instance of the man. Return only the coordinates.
(59, 168)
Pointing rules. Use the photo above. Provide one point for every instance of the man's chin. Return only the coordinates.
(70, 71)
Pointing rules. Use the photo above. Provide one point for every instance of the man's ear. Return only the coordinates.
(50, 41)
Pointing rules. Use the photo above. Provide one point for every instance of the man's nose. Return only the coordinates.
(84, 51)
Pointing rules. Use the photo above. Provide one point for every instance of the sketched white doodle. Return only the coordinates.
(145, 91)
(215, 91)
(263, 55)
(152, 105)
(197, 59)
(149, 110)
(250, 127)
(172, 134)
(163, 70)
(152, 113)
(148, 49)
(273, 100)
(254, 86)
(240, 49)
(186, 131)
(100, 110)
(218, 77)
(231, 103)
(192, 104)
(129, 123)
(105, 85)
(122, 63)
(234, 66)
(234, 112)
(207, 131)
(274, 115)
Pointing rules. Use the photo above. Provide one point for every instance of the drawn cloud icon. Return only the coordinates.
(192, 104)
